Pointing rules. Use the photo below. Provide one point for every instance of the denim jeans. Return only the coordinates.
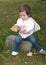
(31, 39)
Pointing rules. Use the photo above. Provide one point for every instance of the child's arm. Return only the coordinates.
(16, 27)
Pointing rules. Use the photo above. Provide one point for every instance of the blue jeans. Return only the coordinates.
(31, 39)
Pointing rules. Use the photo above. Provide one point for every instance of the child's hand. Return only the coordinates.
(23, 30)
(14, 28)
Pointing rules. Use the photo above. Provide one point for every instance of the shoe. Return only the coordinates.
(29, 54)
(14, 53)
(43, 52)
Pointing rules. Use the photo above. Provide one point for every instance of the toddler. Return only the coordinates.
(27, 26)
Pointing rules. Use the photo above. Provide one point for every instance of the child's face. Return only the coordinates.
(23, 15)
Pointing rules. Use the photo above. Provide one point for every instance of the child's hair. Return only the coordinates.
(27, 9)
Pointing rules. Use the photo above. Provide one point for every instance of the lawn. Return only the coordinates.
(8, 17)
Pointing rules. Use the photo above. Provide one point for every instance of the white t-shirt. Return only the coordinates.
(28, 25)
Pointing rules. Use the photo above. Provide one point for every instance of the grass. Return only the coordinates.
(8, 17)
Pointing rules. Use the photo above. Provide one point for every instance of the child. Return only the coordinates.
(26, 26)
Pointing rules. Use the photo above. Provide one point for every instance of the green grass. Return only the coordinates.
(8, 17)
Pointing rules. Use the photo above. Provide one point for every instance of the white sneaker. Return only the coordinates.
(43, 52)
(29, 54)
(14, 53)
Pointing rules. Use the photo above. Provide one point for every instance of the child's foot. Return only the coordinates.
(43, 52)
(14, 53)
(29, 54)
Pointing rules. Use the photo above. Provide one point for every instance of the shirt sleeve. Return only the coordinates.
(30, 25)
(18, 22)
